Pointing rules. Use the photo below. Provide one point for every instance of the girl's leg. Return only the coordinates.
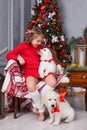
(51, 80)
(50, 84)
(31, 83)
(34, 94)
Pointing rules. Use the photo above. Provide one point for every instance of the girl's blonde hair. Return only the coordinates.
(32, 34)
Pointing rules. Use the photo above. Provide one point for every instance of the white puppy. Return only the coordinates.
(47, 64)
(57, 110)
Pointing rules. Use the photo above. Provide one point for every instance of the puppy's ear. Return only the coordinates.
(43, 99)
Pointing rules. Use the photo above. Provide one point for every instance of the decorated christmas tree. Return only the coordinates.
(46, 14)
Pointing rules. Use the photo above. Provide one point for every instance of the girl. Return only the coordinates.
(26, 53)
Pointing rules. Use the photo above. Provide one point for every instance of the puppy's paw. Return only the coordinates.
(50, 121)
(68, 120)
(55, 123)
(46, 73)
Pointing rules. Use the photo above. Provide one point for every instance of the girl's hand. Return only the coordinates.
(5, 72)
(21, 60)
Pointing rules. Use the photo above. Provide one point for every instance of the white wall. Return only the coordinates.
(74, 16)
(14, 17)
(4, 22)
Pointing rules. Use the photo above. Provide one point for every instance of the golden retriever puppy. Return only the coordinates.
(58, 110)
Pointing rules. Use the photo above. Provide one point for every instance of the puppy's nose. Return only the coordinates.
(53, 105)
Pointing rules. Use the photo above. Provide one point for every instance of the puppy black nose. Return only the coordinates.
(53, 105)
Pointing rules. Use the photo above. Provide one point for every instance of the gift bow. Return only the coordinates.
(62, 95)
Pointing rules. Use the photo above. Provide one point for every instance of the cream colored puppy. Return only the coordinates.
(57, 110)
(47, 64)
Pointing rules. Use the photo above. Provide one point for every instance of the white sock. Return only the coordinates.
(45, 89)
(37, 100)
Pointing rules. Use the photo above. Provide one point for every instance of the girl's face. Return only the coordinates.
(37, 41)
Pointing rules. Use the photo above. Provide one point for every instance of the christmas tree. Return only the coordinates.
(46, 14)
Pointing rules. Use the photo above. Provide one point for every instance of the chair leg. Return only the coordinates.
(16, 107)
(18, 104)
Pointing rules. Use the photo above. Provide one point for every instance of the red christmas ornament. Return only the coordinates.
(49, 45)
(43, 8)
(47, 1)
(52, 46)
(64, 44)
(59, 29)
(84, 40)
(59, 17)
(52, 6)
(43, 25)
(63, 51)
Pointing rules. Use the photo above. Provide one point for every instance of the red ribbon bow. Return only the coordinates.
(55, 109)
(62, 95)
(28, 32)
